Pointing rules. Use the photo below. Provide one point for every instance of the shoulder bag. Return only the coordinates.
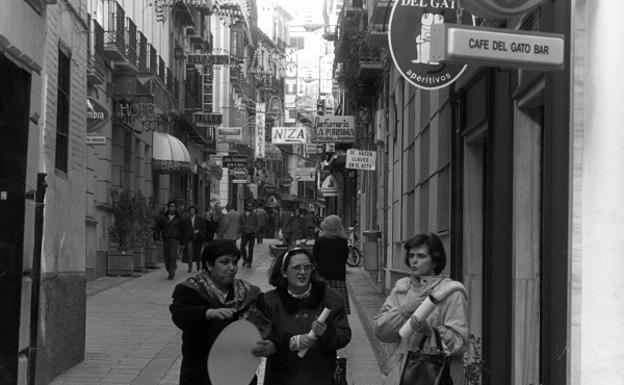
(427, 368)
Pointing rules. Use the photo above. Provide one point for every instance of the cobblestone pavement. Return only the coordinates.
(130, 339)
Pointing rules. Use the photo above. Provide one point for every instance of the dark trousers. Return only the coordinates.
(247, 246)
(260, 234)
(171, 247)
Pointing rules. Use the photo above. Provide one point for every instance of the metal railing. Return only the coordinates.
(114, 29)
(143, 52)
(153, 60)
(161, 69)
(130, 35)
(96, 59)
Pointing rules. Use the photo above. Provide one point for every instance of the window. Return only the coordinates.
(297, 42)
(62, 112)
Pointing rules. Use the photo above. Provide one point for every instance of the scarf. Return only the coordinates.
(244, 292)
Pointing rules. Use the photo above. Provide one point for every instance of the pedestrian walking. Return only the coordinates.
(217, 214)
(262, 216)
(248, 223)
(331, 251)
(170, 228)
(425, 256)
(195, 234)
(299, 297)
(284, 226)
(309, 224)
(205, 304)
(294, 228)
(229, 225)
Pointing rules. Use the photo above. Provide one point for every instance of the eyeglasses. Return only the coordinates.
(293, 251)
(307, 267)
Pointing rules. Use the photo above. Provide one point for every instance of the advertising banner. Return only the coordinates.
(409, 39)
(334, 129)
(97, 115)
(499, 9)
(260, 122)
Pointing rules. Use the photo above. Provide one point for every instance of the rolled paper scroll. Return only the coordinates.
(421, 314)
(321, 318)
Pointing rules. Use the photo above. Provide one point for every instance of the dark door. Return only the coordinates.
(14, 106)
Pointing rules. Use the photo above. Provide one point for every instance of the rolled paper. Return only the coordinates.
(421, 314)
(322, 318)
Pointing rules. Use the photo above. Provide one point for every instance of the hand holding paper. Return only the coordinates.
(421, 314)
(311, 333)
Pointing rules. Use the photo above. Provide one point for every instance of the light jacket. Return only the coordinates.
(450, 318)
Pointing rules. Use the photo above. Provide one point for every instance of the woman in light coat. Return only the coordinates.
(426, 258)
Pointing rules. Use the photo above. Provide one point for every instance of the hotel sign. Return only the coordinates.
(499, 9)
(497, 47)
(409, 40)
(334, 129)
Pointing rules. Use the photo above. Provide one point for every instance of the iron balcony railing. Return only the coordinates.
(161, 69)
(114, 27)
(96, 63)
(153, 60)
(143, 52)
(130, 35)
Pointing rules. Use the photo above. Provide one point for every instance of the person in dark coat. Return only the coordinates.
(295, 227)
(299, 297)
(330, 251)
(195, 234)
(205, 304)
(248, 224)
(170, 228)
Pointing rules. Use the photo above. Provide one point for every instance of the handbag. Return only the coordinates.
(427, 368)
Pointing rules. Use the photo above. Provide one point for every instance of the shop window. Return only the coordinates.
(62, 111)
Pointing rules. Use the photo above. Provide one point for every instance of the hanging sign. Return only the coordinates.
(499, 9)
(97, 115)
(260, 125)
(361, 159)
(409, 39)
(305, 174)
(229, 134)
(289, 135)
(334, 129)
(497, 47)
(207, 119)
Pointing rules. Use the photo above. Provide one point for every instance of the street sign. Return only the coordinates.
(361, 159)
(207, 118)
(235, 161)
(95, 139)
(240, 173)
(497, 47)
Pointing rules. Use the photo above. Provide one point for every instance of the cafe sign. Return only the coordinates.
(497, 47)
(499, 9)
(334, 129)
(409, 39)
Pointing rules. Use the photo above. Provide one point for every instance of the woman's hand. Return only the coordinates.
(319, 327)
(222, 313)
(421, 327)
(301, 341)
(263, 348)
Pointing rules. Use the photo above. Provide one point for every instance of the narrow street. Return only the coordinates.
(130, 339)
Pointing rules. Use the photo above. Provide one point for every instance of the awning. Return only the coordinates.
(169, 154)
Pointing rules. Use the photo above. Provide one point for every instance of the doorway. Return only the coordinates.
(14, 121)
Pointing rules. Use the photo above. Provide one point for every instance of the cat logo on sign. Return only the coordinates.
(409, 39)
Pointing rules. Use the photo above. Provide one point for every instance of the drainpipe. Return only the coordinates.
(36, 278)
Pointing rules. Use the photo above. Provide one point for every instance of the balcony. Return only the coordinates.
(130, 38)
(161, 69)
(152, 60)
(114, 37)
(96, 61)
(377, 33)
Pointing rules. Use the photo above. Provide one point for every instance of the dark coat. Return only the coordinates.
(192, 252)
(331, 257)
(170, 229)
(198, 334)
(292, 316)
(248, 222)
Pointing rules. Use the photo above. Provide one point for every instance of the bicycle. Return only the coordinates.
(354, 256)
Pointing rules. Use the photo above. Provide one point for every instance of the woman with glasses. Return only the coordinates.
(331, 251)
(299, 297)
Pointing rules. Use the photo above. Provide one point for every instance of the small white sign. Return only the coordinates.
(361, 159)
(96, 139)
(305, 174)
(289, 135)
(229, 134)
